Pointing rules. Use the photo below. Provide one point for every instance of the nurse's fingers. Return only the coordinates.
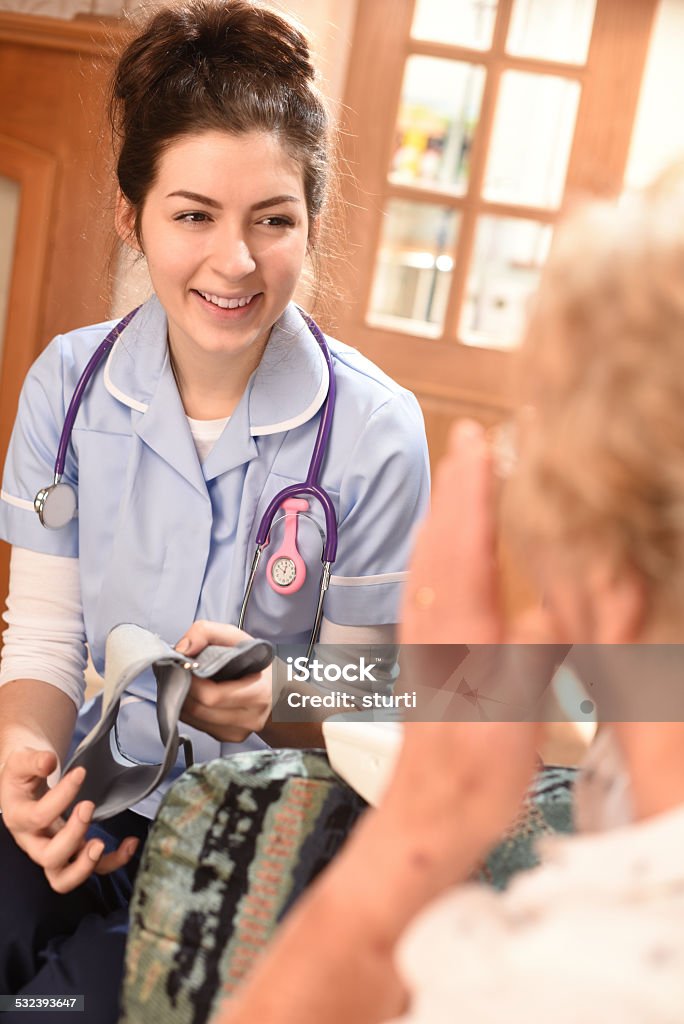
(29, 768)
(117, 858)
(253, 717)
(58, 799)
(88, 860)
(202, 633)
(23, 810)
(247, 692)
(228, 725)
(213, 724)
(57, 851)
(77, 871)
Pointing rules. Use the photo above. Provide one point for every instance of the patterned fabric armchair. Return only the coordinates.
(234, 844)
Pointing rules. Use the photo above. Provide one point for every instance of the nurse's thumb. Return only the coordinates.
(184, 645)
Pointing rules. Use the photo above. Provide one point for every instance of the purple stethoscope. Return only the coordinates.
(286, 569)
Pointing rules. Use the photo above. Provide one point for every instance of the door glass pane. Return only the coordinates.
(551, 29)
(414, 267)
(458, 22)
(531, 140)
(438, 115)
(508, 257)
(9, 215)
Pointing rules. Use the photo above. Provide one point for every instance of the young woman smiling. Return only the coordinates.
(206, 407)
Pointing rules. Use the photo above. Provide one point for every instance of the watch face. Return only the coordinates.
(283, 571)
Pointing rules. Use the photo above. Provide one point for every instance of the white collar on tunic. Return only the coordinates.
(287, 389)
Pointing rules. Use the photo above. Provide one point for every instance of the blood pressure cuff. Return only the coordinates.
(113, 781)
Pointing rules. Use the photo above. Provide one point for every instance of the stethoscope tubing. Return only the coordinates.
(310, 487)
(323, 436)
(75, 403)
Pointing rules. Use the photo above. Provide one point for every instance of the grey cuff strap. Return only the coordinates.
(114, 786)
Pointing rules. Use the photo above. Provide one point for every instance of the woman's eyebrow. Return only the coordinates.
(263, 204)
(274, 201)
(196, 197)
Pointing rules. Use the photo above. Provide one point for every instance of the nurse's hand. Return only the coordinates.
(227, 711)
(34, 816)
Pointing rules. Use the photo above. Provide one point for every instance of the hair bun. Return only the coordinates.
(248, 36)
(216, 65)
(205, 41)
(208, 39)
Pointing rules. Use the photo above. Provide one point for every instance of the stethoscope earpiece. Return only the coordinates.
(55, 505)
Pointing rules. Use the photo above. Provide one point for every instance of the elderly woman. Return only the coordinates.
(597, 504)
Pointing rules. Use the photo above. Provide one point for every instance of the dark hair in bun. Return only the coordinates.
(227, 65)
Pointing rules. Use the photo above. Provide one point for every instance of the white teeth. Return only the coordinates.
(227, 303)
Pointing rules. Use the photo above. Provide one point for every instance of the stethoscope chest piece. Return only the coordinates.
(55, 505)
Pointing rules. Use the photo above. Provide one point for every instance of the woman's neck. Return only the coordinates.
(211, 384)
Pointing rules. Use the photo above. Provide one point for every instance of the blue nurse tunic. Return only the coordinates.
(162, 539)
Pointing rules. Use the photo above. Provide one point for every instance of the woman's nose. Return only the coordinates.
(232, 257)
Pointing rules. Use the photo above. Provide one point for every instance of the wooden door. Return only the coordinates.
(468, 125)
(52, 141)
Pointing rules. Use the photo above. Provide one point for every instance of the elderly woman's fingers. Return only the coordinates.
(452, 595)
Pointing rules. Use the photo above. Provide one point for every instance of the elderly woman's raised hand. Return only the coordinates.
(452, 595)
(459, 783)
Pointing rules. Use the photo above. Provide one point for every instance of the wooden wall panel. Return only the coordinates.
(52, 79)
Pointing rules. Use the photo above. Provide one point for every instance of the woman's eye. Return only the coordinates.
(193, 217)
(277, 222)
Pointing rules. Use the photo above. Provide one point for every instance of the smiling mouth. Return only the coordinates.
(225, 303)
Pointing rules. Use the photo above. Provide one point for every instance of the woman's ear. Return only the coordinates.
(124, 222)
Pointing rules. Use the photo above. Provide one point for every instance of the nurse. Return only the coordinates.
(207, 406)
